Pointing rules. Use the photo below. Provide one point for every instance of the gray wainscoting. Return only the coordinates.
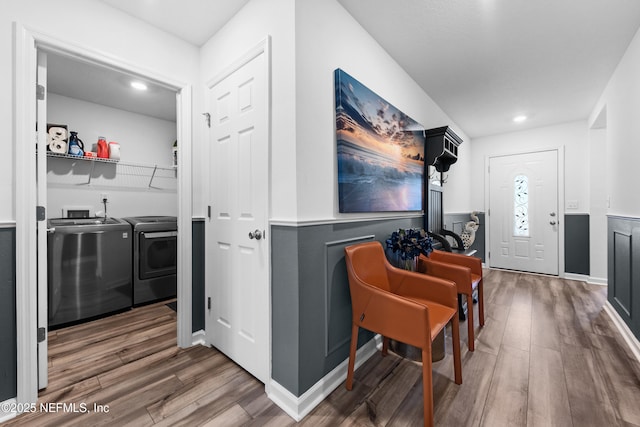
(8, 343)
(197, 276)
(311, 305)
(576, 244)
(456, 223)
(623, 251)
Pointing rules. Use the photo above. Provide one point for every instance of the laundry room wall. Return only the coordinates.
(142, 183)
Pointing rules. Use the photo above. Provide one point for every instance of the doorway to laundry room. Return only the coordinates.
(108, 197)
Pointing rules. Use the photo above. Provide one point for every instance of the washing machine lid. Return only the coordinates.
(135, 220)
(59, 222)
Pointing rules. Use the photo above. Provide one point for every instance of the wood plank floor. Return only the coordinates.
(548, 356)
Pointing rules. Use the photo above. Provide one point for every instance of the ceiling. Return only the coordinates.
(486, 61)
(194, 21)
(102, 85)
(483, 62)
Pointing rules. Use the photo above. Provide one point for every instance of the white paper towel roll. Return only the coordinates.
(57, 140)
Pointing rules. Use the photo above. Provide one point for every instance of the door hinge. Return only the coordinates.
(42, 334)
(208, 303)
(41, 213)
(207, 118)
(489, 255)
(209, 211)
(40, 92)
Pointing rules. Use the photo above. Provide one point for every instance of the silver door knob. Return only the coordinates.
(255, 234)
(552, 222)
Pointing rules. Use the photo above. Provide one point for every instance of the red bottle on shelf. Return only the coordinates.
(103, 148)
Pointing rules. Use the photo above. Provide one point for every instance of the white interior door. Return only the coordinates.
(523, 212)
(237, 247)
(41, 180)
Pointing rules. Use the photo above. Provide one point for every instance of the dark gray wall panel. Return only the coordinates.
(285, 307)
(8, 344)
(197, 278)
(622, 271)
(623, 259)
(576, 244)
(311, 320)
(338, 307)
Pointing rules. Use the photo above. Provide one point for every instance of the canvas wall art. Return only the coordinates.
(380, 152)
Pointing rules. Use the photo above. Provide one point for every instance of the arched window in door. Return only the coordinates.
(521, 206)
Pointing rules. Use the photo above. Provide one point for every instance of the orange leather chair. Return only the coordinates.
(403, 305)
(466, 272)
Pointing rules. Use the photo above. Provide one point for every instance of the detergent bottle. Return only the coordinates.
(103, 148)
(76, 146)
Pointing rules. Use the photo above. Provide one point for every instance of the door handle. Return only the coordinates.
(255, 234)
(552, 222)
(552, 214)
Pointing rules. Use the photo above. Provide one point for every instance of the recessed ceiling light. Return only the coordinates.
(519, 119)
(138, 85)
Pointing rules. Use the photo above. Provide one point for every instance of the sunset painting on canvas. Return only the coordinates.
(380, 152)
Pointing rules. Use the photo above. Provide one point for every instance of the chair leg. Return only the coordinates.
(352, 355)
(385, 346)
(455, 337)
(481, 303)
(470, 334)
(427, 387)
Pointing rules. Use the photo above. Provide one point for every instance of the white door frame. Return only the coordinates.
(25, 42)
(487, 188)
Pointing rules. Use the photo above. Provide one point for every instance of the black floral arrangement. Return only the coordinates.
(409, 243)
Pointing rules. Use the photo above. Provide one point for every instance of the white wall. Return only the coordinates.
(621, 98)
(598, 178)
(328, 37)
(572, 136)
(143, 140)
(258, 19)
(92, 25)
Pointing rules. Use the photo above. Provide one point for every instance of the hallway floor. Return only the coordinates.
(548, 355)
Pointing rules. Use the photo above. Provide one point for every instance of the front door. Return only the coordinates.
(237, 246)
(523, 212)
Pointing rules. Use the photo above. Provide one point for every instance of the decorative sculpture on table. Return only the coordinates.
(468, 235)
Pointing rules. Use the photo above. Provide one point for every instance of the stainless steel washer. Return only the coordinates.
(155, 244)
(89, 268)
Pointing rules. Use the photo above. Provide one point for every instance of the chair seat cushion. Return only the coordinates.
(439, 315)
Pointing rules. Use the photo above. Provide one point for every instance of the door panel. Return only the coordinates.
(41, 180)
(237, 262)
(523, 212)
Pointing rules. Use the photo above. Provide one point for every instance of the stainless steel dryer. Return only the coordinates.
(155, 244)
(89, 268)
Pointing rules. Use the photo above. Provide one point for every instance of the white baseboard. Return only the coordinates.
(6, 416)
(584, 278)
(577, 277)
(628, 336)
(598, 281)
(198, 338)
(298, 407)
